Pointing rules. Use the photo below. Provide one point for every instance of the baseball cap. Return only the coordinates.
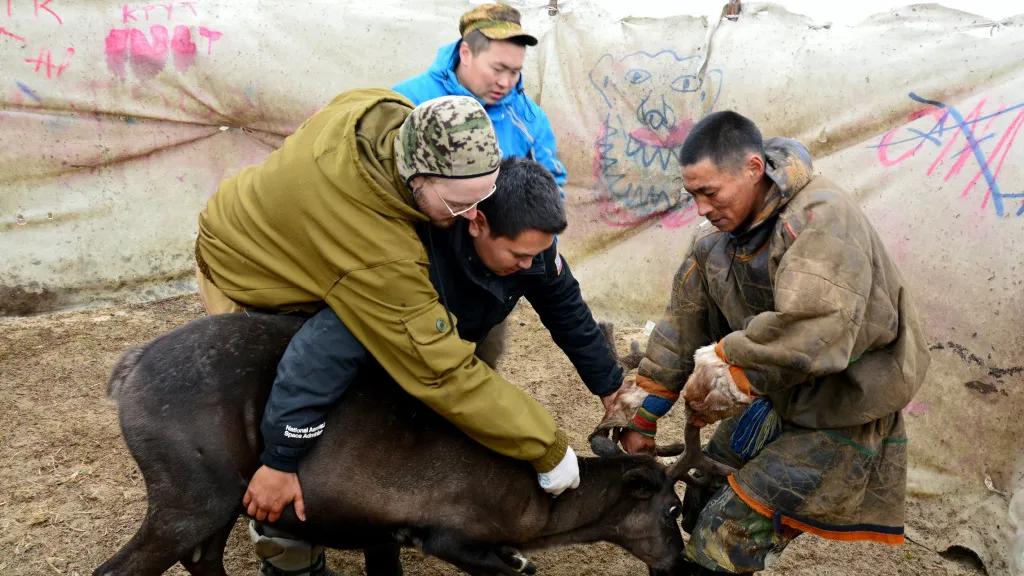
(495, 21)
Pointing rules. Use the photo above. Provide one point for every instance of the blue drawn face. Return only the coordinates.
(651, 101)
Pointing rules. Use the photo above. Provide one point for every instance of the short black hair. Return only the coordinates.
(725, 138)
(527, 198)
(477, 42)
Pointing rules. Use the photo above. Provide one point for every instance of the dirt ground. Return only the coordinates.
(70, 494)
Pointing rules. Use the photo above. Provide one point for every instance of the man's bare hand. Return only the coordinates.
(270, 491)
(609, 401)
(637, 443)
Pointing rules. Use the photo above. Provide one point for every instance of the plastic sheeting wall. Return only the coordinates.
(915, 118)
(119, 120)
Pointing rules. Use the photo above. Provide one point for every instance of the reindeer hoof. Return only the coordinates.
(516, 561)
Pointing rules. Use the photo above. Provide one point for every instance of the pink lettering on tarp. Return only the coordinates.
(141, 46)
(68, 53)
(45, 62)
(182, 42)
(148, 59)
(38, 7)
(183, 47)
(12, 35)
(211, 35)
(147, 52)
(117, 51)
(131, 45)
(129, 13)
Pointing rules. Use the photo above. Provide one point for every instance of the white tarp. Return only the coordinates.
(118, 121)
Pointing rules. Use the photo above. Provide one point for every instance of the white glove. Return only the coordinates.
(563, 477)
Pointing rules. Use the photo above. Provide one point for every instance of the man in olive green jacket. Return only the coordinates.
(332, 217)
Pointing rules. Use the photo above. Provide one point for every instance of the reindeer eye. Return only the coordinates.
(674, 512)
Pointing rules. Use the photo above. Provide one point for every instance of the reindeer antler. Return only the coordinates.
(604, 438)
(635, 356)
(632, 360)
(693, 458)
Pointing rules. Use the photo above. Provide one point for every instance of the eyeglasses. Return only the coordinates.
(466, 209)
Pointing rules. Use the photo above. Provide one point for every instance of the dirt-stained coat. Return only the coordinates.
(809, 308)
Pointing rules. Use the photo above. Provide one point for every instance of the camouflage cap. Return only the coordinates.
(447, 137)
(495, 21)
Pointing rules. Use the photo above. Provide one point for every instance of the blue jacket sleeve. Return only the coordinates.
(418, 89)
(544, 146)
(321, 361)
(560, 305)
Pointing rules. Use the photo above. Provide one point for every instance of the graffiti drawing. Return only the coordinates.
(10, 34)
(45, 63)
(52, 64)
(128, 14)
(651, 101)
(44, 6)
(980, 138)
(132, 45)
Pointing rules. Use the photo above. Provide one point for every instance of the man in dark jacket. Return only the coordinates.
(480, 268)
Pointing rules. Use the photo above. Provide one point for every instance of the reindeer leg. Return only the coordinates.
(383, 560)
(471, 557)
(516, 560)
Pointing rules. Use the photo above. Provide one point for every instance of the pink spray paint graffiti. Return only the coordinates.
(149, 58)
(37, 6)
(46, 63)
(183, 48)
(211, 37)
(5, 32)
(979, 130)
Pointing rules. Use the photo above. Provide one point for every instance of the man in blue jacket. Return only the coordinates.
(486, 63)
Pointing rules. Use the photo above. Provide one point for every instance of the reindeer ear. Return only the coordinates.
(642, 483)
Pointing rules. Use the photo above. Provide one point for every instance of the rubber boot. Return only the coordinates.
(283, 555)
